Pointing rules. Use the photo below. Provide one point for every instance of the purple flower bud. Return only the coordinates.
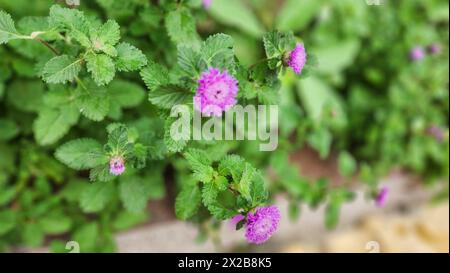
(435, 49)
(417, 53)
(235, 220)
(436, 132)
(206, 4)
(297, 58)
(216, 92)
(116, 165)
(262, 224)
(381, 197)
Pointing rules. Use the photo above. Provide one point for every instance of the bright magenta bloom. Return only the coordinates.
(117, 165)
(297, 58)
(262, 224)
(216, 92)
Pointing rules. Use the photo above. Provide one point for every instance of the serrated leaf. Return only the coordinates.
(82, 154)
(129, 58)
(171, 144)
(217, 52)
(133, 194)
(72, 20)
(155, 75)
(231, 165)
(189, 61)
(61, 69)
(245, 182)
(101, 174)
(200, 164)
(102, 68)
(180, 25)
(167, 96)
(187, 202)
(276, 43)
(96, 196)
(53, 124)
(92, 101)
(109, 33)
(7, 28)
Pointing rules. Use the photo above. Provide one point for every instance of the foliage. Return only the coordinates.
(73, 83)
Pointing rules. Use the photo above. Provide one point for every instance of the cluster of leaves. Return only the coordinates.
(225, 188)
(64, 73)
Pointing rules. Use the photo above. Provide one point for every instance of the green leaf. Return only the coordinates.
(332, 215)
(187, 202)
(8, 129)
(232, 165)
(7, 29)
(55, 224)
(296, 15)
(200, 164)
(126, 220)
(26, 95)
(180, 25)
(245, 182)
(8, 219)
(61, 69)
(155, 75)
(347, 164)
(133, 193)
(52, 124)
(337, 57)
(126, 94)
(277, 43)
(82, 154)
(101, 174)
(189, 61)
(92, 101)
(96, 196)
(210, 200)
(217, 52)
(32, 235)
(129, 58)
(171, 144)
(321, 140)
(109, 33)
(167, 96)
(318, 97)
(102, 68)
(72, 20)
(237, 14)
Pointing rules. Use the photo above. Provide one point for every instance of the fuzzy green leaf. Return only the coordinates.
(82, 154)
(155, 75)
(7, 29)
(53, 124)
(96, 196)
(187, 202)
(61, 69)
(129, 58)
(102, 68)
(133, 193)
(167, 96)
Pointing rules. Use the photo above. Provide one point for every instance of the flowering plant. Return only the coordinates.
(82, 151)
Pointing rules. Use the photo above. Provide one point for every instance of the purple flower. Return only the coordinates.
(235, 220)
(435, 49)
(262, 224)
(436, 132)
(206, 4)
(116, 165)
(297, 58)
(216, 92)
(417, 53)
(381, 197)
